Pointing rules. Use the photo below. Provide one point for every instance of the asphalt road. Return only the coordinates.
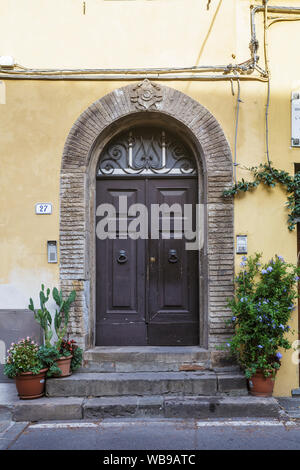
(162, 434)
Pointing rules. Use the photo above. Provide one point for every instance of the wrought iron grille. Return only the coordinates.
(144, 151)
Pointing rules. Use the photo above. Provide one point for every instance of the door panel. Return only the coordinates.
(120, 273)
(173, 280)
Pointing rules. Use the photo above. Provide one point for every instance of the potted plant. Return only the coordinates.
(61, 321)
(262, 307)
(24, 364)
(69, 348)
(58, 362)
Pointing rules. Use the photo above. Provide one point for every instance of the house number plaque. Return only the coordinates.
(43, 208)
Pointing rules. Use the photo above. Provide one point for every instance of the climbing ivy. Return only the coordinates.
(270, 176)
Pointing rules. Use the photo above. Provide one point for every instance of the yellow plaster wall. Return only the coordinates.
(38, 115)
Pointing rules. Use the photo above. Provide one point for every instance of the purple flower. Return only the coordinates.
(270, 269)
(278, 355)
(296, 278)
(242, 263)
(263, 271)
(280, 258)
(281, 326)
(233, 318)
(244, 258)
(228, 344)
(260, 346)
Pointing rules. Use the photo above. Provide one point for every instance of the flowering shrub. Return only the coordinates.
(22, 357)
(68, 348)
(262, 307)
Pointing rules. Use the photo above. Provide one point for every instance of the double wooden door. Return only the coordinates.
(147, 288)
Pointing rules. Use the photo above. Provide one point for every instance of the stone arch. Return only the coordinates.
(96, 126)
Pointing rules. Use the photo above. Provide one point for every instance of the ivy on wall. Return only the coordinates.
(270, 176)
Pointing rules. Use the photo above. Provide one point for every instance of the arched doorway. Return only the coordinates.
(147, 104)
(147, 281)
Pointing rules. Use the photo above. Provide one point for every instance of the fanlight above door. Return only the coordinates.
(147, 152)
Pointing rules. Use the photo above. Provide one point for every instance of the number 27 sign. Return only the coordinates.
(43, 208)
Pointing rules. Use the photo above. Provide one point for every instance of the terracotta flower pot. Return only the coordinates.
(64, 363)
(31, 385)
(261, 386)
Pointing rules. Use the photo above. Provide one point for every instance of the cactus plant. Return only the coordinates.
(61, 318)
(42, 315)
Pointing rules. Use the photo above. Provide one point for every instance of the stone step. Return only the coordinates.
(74, 408)
(146, 359)
(146, 383)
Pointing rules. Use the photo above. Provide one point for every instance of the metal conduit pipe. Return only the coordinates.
(271, 9)
(170, 77)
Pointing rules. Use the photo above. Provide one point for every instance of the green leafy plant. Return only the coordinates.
(23, 357)
(68, 348)
(42, 315)
(270, 176)
(262, 307)
(61, 318)
(48, 356)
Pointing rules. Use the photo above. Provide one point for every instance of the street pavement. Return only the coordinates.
(164, 434)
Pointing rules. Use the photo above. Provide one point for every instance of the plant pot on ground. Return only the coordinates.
(24, 365)
(70, 357)
(261, 386)
(262, 308)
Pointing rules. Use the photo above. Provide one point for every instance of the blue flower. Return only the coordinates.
(291, 307)
(260, 346)
(281, 326)
(278, 355)
(233, 318)
(228, 344)
(288, 327)
(242, 263)
(270, 269)
(243, 299)
(296, 278)
(263, 271)
(244, 258)
(280, 258)
(260, 318)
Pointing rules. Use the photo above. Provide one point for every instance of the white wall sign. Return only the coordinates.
(296, 119)
(43, 208)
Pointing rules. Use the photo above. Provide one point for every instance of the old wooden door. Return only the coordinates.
(146, 288)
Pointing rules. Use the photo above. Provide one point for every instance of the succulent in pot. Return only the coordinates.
(61, 321)
(24, 364)
(262, 308)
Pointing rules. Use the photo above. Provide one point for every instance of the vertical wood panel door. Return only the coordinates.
(147, 289)
(121, 274)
